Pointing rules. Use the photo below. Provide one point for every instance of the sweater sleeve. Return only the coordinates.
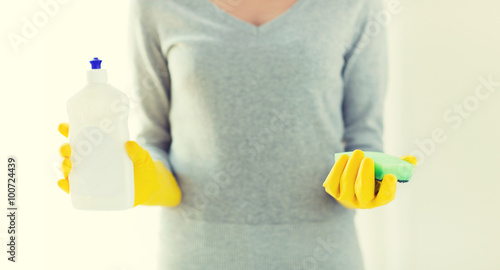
(151, 83)
(364, 75)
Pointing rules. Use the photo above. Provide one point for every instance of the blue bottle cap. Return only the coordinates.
(96, 63)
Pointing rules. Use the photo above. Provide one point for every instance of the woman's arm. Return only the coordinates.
(152, 95)
(365, 76)
(151, 83)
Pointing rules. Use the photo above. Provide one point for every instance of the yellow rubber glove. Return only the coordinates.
(352, 182)
(154, 183)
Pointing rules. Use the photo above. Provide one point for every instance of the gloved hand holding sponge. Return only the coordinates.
(154, 183)
(360, 180)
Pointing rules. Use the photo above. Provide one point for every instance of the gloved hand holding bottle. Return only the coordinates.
(154, 183)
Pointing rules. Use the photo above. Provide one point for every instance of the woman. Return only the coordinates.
(246, 103)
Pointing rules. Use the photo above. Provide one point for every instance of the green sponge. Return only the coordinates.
(387, 164)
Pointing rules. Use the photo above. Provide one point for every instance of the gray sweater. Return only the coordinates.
(249, 118)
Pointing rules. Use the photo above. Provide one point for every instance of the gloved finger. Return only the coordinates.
(332, 182)
(136, 153)
(387, 191)
(349, 204)
(410, 158)
(63, 129)
(65, 150)
(349, 175)
(64, 185)
(66, 167)
(377, 186)
(365, 182)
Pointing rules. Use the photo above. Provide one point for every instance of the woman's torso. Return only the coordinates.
(255, 118)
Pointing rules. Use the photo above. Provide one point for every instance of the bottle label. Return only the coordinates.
(99, 164)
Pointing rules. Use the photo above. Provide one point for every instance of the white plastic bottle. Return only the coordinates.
(102, 174)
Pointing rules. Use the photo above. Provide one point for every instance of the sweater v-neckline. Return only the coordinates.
(237, 22)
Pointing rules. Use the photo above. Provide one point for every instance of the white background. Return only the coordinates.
(446, 218)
